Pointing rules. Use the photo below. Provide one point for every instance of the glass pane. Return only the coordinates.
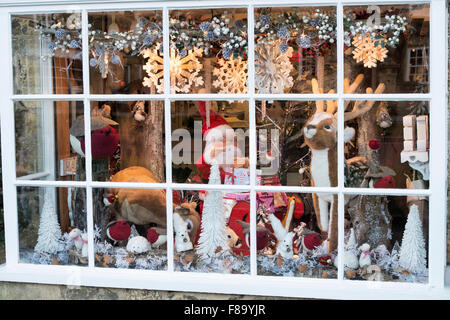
(211, 231)
(46, 145)
(198, 140)
(384, 44)
(127, 140)
(297, 142)
(46, 53)
(389, 144)
(130, 228)
(294, 237)
(208, 51)
(52, 225)
(119, 43)
(386, 238)
(294, 45)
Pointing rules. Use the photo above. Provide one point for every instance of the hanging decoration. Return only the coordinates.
(231, 76)
(370, 40)
(184, 71)
(310, 29)
(367, 52)
(272, 68)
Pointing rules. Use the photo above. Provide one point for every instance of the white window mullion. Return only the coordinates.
(438, 143)
(8, 148)
(168, 137)
(87, 138)
(252, 137)
(340, 135)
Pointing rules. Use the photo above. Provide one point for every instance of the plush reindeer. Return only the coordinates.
(320, 133)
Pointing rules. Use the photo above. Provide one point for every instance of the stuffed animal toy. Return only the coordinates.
(311, 241)
(84, 248)
(364, 258)
(285, 239)
(262, 235)
(220, 145)
(156, 240)
(138, 206)
(182, 240)
(104, 138)
(75, 235)
(138, 245)
(118, 230)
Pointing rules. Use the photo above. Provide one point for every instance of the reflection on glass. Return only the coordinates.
(292, 46)
(211, 230)
(127, 135)
(52, 226)
(390, 147)
(208, 51)
(119, 43)
(130, 226)
(46, 53)
(208, 131)
(388, 44)
(291, 240)
(46, 147)
(386, 238)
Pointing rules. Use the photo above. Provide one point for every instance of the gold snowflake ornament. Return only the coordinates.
(272, 68)
(231, 76)
(367, 52)
(184, 71)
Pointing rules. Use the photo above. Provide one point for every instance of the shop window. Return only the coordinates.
(215, 146)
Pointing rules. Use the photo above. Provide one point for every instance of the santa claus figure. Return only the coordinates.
(220, 144)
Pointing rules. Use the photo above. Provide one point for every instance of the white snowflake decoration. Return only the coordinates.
(184, 71)
(272, 68)
(231, 76)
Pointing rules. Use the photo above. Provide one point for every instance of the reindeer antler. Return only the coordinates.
(320, 106)
(359, 107)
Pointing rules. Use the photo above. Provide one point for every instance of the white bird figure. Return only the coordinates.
(364, 258)
(284, 247)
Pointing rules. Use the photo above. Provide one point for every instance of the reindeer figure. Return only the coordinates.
(320, 133)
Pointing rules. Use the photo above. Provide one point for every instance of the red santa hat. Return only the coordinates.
(215, 121)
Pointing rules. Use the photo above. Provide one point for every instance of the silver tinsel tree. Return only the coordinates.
(213, 234)
(412, 252)
(49, 229)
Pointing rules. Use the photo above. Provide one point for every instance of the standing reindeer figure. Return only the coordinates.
(320, 134)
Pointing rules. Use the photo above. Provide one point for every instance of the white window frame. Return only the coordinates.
(252, 283)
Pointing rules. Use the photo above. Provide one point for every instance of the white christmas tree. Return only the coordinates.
(213, 234)
(49, 229)
(412, 252)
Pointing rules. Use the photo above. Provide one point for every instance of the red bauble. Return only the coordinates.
(374, 144)
(104, 142)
